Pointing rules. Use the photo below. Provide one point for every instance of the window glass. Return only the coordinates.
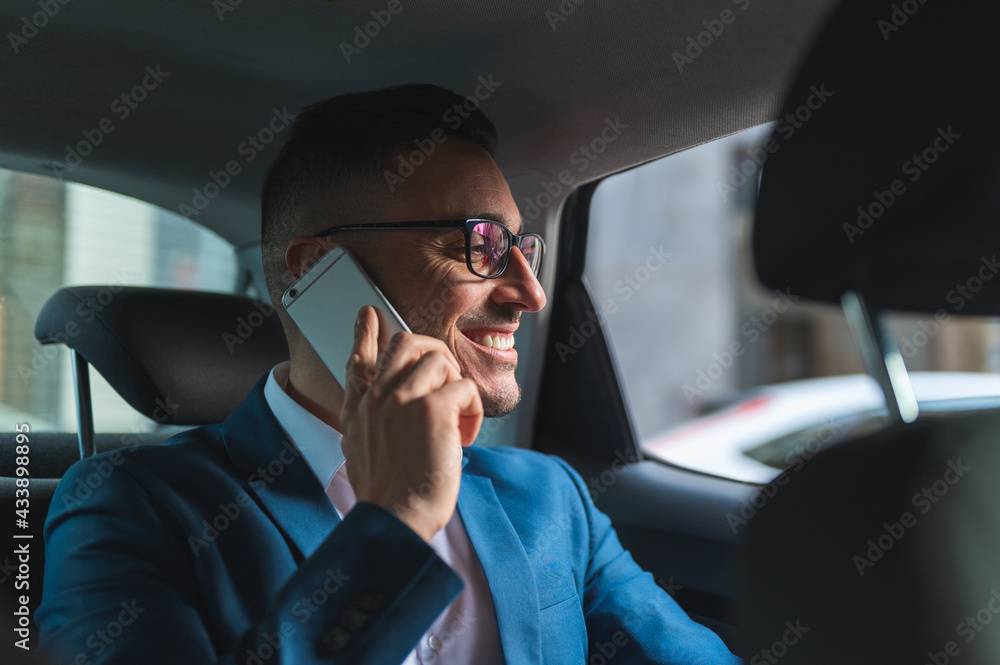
(722, 376)
(55, 234)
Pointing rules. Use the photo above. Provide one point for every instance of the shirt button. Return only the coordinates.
(434, 642)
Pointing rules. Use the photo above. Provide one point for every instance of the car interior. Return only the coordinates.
(824, 571)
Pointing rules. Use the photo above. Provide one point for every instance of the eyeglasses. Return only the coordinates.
(487, 243)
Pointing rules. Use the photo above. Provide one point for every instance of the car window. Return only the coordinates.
(721, 375)
(55, 234)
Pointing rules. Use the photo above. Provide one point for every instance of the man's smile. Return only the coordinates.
(497, 342)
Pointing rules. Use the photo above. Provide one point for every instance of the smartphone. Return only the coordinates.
(324, 304)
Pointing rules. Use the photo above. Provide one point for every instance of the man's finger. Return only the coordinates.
(403, 351)
(464, 395)
(361, 364)
(431, 371)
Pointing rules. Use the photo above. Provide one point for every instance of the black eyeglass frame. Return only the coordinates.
(465, 225)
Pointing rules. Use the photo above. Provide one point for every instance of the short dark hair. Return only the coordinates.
(336, 165)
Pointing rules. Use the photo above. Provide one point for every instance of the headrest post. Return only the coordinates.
(881, 356)
(84, 409)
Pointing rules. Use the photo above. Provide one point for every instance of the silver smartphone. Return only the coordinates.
(325, 301)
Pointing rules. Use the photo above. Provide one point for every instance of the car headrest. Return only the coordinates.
(178, 357)
(883, 173)
(879, 550)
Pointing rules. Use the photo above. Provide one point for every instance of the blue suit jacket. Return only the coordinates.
(221, 546)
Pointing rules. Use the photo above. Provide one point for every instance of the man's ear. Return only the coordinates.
(303, 252)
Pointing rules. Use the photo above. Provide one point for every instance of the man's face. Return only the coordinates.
(424, 273)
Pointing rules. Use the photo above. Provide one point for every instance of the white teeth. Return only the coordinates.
(497, 341)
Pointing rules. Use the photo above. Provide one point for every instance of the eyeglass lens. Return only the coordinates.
(489, 244)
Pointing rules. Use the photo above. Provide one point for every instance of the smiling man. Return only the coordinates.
(361, 526)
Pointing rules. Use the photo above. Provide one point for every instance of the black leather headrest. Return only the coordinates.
(881, 550)
(178, 357)
(883, 174)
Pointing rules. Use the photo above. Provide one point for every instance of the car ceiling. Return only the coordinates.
(563, 69)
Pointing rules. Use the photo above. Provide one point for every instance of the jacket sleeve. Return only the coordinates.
(119, 588)
(629, 618)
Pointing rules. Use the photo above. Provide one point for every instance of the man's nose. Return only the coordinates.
(518, 287)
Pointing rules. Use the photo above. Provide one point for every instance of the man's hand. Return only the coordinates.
(404, 422)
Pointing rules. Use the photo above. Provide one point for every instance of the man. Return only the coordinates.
(360, 526)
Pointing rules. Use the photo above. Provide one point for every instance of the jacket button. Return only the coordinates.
(353, 619)
(371, 601)
(336, 639)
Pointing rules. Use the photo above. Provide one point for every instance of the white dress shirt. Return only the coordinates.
(466, 631)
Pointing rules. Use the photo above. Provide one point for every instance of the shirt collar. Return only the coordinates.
(318, 442)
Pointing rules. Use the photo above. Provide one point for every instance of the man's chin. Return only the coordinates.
(500, 401)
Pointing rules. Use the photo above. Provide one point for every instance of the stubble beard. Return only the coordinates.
(498, 401)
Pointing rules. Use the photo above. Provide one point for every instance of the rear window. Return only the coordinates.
(723, 376)
(55, 234)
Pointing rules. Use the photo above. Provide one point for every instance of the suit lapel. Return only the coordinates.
(280, 480)
(278, 477)
(505, 564)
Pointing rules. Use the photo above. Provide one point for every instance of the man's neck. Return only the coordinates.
(317, 392)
